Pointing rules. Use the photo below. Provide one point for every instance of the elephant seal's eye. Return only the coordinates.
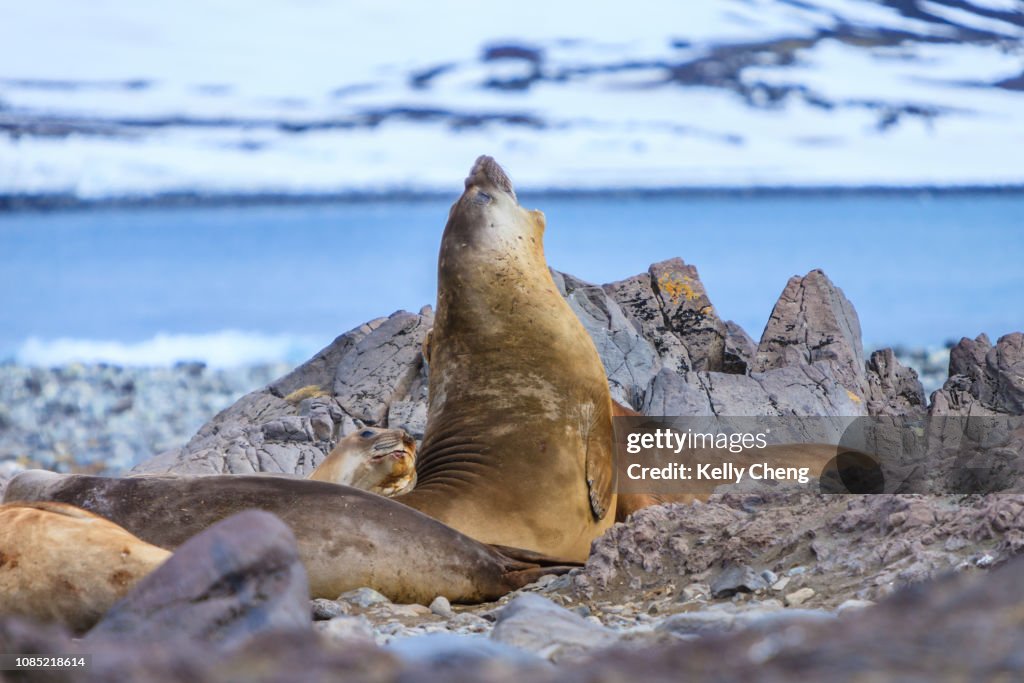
(366, 433)
(481, 197)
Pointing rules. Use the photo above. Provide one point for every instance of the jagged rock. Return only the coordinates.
(893, 389)
(737, 578)
(239, 578)
(814, 321)
(740, 350)
(984, 379)
(381, 367)
(669, 306)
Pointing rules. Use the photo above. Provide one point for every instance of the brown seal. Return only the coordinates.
(60, 563)
(347, 538)
(518, 449)
(518, 446)
(381, 461)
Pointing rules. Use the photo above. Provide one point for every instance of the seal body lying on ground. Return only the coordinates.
(518, 448)
(381, 461)
(347, 538)
(60, 563)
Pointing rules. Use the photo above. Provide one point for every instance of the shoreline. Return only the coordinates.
(51, 202)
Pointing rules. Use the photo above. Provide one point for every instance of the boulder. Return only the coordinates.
(814, 321)
(239, 578)
(536, 624)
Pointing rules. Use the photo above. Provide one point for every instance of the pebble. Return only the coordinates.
(345, 628)
(735, 579)
(535, 624)
(799, 597)
(362, 597)
(408, 611)
(442, 607)
(852, 605)
(327, 609)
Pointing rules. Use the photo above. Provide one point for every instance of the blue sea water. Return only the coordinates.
(250, 283)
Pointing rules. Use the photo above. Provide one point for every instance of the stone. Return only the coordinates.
(740, 350)
(799, 597)
(363, 597)
(893, 389)
(327, 609)
(669, 307)
(698, 623)
(239, 578)
(408, 611)
(737, 579)
(984, 379)
(346, 629)
(536, 624)
(447, 651)
(441, 607)
(813, 321)
(853, 605)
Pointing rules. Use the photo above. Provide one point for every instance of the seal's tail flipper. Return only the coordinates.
(526, 566)
(534, 558)
(524, 577)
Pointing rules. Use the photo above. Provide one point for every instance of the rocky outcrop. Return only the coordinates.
(983, 379)
(664, 347)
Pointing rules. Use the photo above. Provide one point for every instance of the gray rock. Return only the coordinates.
(450, 650)
(239, 578)
(853, 605)
(799, 597)
(669, 306)
(363, 597)
(327, 609)
(983, 379)
(893, 389)
(814, 321)
(538, 625)
(740, 350)
(773, 618)
(346, 629)
(698, 623)
(737, 579)
(441, 607)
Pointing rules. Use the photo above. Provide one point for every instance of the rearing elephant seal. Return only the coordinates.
(518, 447)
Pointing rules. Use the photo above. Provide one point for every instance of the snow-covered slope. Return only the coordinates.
(112, 97)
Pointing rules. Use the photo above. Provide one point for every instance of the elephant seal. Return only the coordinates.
(518, 448)
(60, 563)
(347, 538)
(382, 461)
